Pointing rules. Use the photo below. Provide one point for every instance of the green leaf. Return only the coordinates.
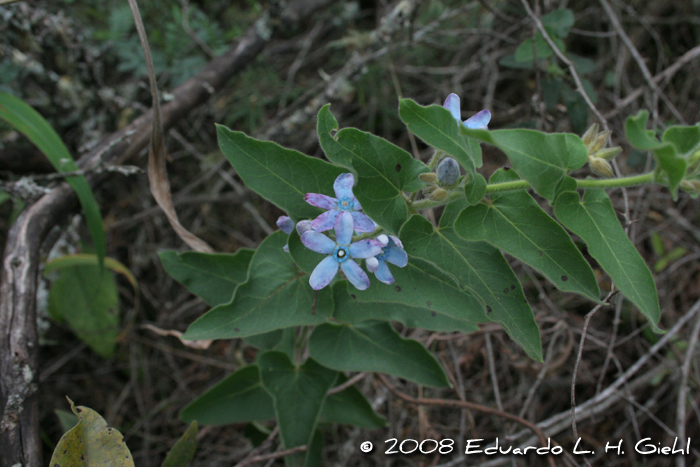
(525, 53)
(349, 310)
(91, 443)
(181, 454)
(238, 398)
(442, 304)
(559, 21)
(280, 339)
(67, 419)
(479, 269)
(384, 171)
(350, 407)
(282, 176)
(540, 158)
(475, 189)
(595, 221)
(298, 393)
(276, 295)
(29, 122)
(666, 154)
(438, 128)
(686, 139)
(86, 298)
(211, 277)
(375, 346)
(515, 223)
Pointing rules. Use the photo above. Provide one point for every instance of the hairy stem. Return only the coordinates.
(524, 184)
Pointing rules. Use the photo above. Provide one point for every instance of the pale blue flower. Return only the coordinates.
(478, 121)
(392, 252)
(345, 201)
(340, 253)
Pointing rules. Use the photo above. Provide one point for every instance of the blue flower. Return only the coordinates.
(345, 201)
(392, 252)
(478, 121)
(340, 253)
(286, 224)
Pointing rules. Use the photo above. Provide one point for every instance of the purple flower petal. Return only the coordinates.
(320, 201)
(286, 224)
(365, 249)
(397, 256)
(479, 120)
(318, 242)
(452, 104)
(324, 273)
(372, 264)
(355, 274)
(344, 228)
(362, 222)
(325, 221)
(303, 227)
(383, 273)
(396, 241)
(343, 186)
(356, 204)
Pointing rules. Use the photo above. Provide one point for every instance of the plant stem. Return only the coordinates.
(524, 184)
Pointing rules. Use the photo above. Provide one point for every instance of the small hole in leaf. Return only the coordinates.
(488, 309)
(564, 278)
(539, 252)
(398, 288)
(506, 290)
(512, 287)
(429, 303)
(354, 297)
(433, 314)
(398, 167)
(79, 410)
(506, 167)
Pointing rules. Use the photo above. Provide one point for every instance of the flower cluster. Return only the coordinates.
(345, 217)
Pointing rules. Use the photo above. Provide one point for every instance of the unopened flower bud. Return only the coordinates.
(608, 153)
(600, 142)
(428, 177)
(590, 134)
(429, 189)
(439, 195)
(372, 264)
(303, 227)
(383, 239)
(600, 167)
(448, 171)
(286, 224)
(691, 186)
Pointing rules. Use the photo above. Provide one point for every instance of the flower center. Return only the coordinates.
(341, 253)
(346, 203)
(383, 255)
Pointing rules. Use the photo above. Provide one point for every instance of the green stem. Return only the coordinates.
(524, 184)
(617, 182)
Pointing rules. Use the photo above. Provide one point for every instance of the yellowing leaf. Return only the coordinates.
(91, 443)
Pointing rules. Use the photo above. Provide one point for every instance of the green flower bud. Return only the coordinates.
(608, 153)
(439, 195)
(600, 167)
(691, 186)
(590, 134)
(428, 177)
(600, 142)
